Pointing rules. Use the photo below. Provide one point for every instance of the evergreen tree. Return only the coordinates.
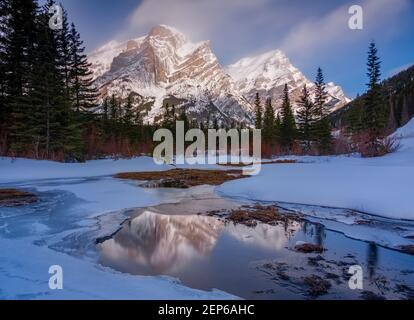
(105, 109)
(183, 117)
(306, 118)
(288, 130)
(84, 93)
(375, 117)
(168, 117)
(113, 108)
(68, 124)
(64, 52)
(258, 112)
(138, 118)
(4, 17)
(41, 110)
(320, 95)
(322, 127)
(355, 117)
(18, 42)
(277, 128)
(128, 113)
(19, 53)
(73, 141)
(269, 122)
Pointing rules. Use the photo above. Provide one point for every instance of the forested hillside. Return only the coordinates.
(398, 93)
(48, 102)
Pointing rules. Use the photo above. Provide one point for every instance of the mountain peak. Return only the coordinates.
(269, 72)
(164, 66)
(268, 64)
(165, 31)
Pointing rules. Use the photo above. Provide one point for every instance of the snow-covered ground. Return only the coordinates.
(24, 275)
(380, 186)
(80, 203)
(20, 170)
(75, 208)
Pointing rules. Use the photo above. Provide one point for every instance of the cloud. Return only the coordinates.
(238, 28)
(197, 18)
(235, 27)
(331, 30)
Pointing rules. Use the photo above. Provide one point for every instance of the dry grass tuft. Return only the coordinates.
(184, 178)
(250, 215)
(309, 248)
(14, 197)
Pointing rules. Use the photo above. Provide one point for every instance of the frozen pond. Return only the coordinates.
(174, 235)
(207, 252)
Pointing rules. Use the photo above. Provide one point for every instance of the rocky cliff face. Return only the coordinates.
(164, 67)
(268, 73)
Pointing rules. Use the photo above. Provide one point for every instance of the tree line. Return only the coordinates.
(368, 122)
(283, 133)
(372, 120)
(48, 103)
(50, 108)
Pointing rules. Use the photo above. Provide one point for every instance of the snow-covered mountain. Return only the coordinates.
(165, 67)
(268, 73)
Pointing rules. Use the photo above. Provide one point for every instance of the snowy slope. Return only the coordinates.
(269, 72)
(381, 186)
(79, 203)
(24, 276)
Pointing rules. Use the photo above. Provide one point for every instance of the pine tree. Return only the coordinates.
(138, 118)
(320, 95)
(355, 117)
(128, 112)
(269, 122)
(258, 112)
(41, 111)
(288, 130)
(64, 52)
(105, 109)
(4, 17)
(18, 38)
(168, 117)
(277, 128)
(322, 127)
(375, 117)
(306, 118)
(84, 93)
(183, 117)
(113, 108)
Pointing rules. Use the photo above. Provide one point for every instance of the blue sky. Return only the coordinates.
(312, 33)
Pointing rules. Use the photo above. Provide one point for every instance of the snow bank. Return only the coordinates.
(381, 186)
(25, 276)
(18, 170)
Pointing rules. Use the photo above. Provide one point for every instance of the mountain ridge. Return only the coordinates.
(165, 66)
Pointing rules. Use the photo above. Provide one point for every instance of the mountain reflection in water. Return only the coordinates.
(154, 244)
(206, 252)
